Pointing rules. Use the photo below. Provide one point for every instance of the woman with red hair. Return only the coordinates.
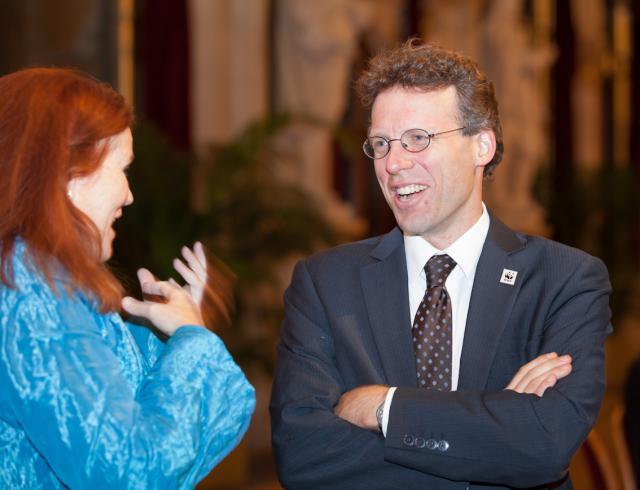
(88, 400)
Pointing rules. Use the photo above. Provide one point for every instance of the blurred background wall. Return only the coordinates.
(248, 136)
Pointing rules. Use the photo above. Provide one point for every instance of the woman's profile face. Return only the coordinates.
(102, 194)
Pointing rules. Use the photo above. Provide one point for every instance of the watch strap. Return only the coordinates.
(379, 415)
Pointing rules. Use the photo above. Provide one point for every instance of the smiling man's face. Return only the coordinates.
(437, 192)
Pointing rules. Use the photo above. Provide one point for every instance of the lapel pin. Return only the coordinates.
(508, 277)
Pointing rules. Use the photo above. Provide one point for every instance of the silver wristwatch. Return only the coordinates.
(379, 415)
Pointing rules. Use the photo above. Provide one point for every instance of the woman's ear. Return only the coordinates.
(485, 147)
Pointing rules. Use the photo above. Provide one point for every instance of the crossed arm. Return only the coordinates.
(358, 406)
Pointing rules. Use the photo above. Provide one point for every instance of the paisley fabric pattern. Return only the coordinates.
(89, 401)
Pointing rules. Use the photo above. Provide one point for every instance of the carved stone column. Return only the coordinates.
(316, 44)
(516, 68)
(589, 22)
(229, 74)
(455, 24)
(495, 35)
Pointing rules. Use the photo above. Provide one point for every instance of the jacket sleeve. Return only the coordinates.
(502, 437)
(148, 342)
(69, 392)
(314, 448)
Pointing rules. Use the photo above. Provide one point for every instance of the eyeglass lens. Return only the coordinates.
(413, 140)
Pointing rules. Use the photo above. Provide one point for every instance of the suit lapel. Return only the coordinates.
(490, 306)
(384, 284)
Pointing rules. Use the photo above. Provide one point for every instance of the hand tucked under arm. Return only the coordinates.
(541, 373)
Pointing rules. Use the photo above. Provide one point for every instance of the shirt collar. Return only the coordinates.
(465, 250)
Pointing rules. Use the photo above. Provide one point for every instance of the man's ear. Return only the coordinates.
(485, 147)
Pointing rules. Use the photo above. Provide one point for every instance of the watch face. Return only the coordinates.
(379, 411)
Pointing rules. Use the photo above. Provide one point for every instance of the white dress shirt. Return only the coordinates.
(465, 251)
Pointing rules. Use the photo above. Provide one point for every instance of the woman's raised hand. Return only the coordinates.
(166, 305)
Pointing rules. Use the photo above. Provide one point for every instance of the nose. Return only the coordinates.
(129, 199)
(398, 158)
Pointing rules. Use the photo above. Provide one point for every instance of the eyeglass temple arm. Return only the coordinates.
(445, 132)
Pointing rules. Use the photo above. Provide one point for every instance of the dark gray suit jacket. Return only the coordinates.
(347, 324)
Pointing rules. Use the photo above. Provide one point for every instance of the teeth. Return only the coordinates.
(410, 189)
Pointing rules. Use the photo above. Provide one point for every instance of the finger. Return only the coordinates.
(198, 266)
(563, 371)
(539, 384)
(187, 274)
(145, 275)
(548, 382)
(198, 250)
(533, 384)
(557, 373)
(540, 371)
(159, 288)
(135, 307)
(524, 370)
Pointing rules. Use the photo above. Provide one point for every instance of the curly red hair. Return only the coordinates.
(51, 123)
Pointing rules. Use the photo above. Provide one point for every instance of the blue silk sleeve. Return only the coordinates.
(150, 345)
(104, 412)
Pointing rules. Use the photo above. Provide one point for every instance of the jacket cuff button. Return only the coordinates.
(408, 440)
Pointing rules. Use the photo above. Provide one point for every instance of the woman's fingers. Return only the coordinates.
(145, 275)
(159, 288)
(135, 307)
(187, 274)
(197, 260)
(208, 283)
(198, 250)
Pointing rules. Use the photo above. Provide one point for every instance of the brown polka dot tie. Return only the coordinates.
(432, 327)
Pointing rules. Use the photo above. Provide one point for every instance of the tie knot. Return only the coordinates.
(437, 269)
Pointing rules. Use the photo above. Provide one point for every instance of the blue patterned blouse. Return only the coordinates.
(89, 401)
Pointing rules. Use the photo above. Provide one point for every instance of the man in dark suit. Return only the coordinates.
(452, 352)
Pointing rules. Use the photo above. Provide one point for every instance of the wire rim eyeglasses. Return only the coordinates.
(412, 140)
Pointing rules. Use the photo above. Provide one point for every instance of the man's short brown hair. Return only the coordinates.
(430, 67)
